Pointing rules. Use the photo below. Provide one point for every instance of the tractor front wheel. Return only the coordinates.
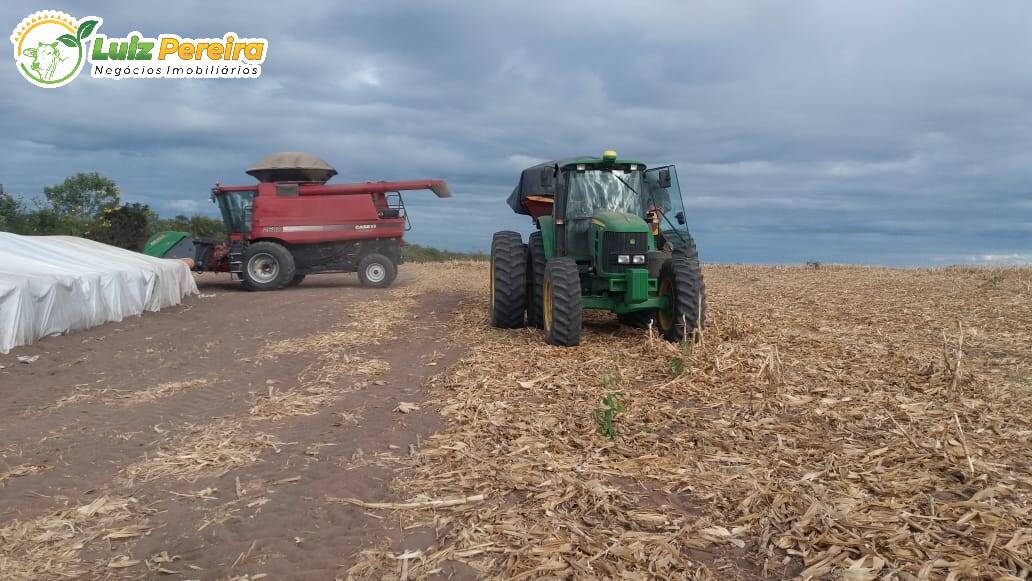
(267, 266)
(376, 271)
(562, 308)
(508, 280)
(536, 261)
(680, 281)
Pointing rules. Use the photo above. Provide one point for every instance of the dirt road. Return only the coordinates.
(166, 410)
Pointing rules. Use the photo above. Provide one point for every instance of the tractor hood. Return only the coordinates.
(620, 222)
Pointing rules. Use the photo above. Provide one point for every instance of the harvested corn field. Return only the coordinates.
(833, 422)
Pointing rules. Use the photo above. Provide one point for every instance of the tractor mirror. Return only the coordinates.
(664, 178)
(680, 218)
(546, 179)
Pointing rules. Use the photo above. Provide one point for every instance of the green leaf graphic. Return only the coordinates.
(86, 28)
(69, 40)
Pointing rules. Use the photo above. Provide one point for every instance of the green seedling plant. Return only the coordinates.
(605, 416)
(679, 364)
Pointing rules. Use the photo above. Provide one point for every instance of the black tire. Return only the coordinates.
(536, 262)
(562, 310)
(376, 271)
(267, 266)
(296, 280)
(637, 319)
(681, 279)
(508, 280)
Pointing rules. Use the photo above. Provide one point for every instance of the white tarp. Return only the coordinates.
(55, 284)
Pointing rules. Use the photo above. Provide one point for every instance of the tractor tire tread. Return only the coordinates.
(536, 262)
(689, 292)
(509, 257)
(567, 306)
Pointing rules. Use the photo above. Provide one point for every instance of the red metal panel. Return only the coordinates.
(319, 218)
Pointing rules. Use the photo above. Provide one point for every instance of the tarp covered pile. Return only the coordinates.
(55, 284)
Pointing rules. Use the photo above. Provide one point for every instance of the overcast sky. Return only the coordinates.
(867, 132)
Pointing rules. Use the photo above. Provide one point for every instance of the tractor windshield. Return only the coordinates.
(603, 191)
(236, 208)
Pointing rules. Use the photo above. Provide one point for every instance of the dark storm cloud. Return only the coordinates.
(875, 132)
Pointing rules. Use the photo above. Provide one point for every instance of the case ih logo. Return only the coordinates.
(50, 49)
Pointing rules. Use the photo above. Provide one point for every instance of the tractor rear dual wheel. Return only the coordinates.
(536, 262)
(267, 266)
(508, 280)
(562, 307)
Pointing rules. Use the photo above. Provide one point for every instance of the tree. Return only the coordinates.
(83, 196)
(197, 226)
(12, 214)
(124, 226)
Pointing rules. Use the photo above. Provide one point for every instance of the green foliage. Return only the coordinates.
(12, 214)
(605, 416)
(83, 196)
(197, 226)
(679, 364)
(125, 226)
(611, 406)
(417, 253)
(44, 221)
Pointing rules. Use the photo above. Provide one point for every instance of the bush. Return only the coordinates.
(197, 226)
(417, 253)
(124, 226)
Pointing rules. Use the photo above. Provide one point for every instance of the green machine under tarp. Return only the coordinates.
(170, 244)
(173, 244)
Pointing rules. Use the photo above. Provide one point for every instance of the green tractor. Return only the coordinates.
(610, 236)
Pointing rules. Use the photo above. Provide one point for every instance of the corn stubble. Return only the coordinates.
(821, 428)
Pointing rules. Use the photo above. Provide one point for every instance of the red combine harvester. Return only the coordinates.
(292, 224)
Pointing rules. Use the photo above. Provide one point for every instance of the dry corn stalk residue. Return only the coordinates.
(842, 421)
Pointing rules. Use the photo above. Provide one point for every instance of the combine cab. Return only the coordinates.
(292, 224)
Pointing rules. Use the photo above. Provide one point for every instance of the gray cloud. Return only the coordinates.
(874, 132)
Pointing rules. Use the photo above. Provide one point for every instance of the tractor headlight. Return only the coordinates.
(638, 259)
(623, 259)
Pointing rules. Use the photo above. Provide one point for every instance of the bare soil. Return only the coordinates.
(76, 415)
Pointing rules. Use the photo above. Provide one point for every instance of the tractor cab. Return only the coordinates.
(617, 203)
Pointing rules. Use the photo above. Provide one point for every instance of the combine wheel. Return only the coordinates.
(535, 279)
(562, 309)
(508, 280)
(376, 271)
(267, 266)
(680, 280)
